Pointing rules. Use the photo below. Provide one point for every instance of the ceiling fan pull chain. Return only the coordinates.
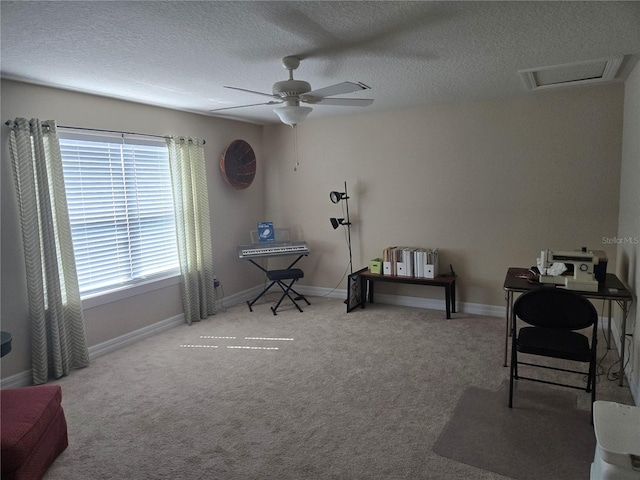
(295, 147)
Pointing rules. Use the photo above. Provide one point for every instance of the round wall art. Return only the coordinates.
(238, 164)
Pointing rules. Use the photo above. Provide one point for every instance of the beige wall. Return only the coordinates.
(628, 265)
(233, 212)
(490, 183)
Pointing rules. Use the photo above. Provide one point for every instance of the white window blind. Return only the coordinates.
(120, 209)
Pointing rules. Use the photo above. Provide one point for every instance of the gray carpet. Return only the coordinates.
(522, 443)
(314, 395)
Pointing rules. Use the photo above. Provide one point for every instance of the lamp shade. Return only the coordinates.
(336, 196)
(292, 115)
(336, 222)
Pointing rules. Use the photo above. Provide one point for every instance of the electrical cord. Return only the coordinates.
(612, 372)
(339, 282)
(221, 302)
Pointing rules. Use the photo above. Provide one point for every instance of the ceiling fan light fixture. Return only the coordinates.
(292, 115)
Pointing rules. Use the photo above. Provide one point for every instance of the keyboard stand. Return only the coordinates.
(273, 282)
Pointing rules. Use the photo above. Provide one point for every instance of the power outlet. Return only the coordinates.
(216, 282)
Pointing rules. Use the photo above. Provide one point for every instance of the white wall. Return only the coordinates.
(628, 265)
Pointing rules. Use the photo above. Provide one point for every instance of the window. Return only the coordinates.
(120, 209)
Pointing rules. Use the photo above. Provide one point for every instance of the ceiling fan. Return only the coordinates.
(293, 92)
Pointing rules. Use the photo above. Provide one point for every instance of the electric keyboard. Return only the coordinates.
(264, 250)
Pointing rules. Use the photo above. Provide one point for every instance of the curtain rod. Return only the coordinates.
(44, 124)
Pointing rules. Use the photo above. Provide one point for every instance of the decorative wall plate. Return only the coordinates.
(238, 164)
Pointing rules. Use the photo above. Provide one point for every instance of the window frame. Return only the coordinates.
(135, 286)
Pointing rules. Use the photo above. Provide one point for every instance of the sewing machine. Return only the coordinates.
(553, 269)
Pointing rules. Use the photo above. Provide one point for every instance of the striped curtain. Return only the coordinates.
(193, 226)
(58, 340)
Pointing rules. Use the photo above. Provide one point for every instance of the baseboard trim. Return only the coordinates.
(407, 301)
(24, 379)
(127, 339)
(238, 298)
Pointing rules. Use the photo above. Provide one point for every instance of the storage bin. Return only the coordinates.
(375, 265)
(617, 429)
(430, 271)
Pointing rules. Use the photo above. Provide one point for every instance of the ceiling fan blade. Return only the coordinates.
(337, 89)
(253, 91)
(273, 102)
(346, 102)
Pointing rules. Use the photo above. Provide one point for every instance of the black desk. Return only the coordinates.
(446, 281)
(518, 280)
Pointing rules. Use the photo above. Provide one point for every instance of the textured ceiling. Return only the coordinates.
(180, 54)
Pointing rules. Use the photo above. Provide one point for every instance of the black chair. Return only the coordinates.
(554, 315)
(279, 277)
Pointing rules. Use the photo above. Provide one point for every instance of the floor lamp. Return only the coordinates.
(337, 197)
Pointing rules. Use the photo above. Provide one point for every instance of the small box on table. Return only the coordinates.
(375, 265)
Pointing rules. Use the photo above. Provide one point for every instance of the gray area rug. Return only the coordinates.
(545, 436)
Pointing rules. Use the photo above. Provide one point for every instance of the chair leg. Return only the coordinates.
(286, 288)
(299, 296)
(593, 400)
(511, 387)
(250, 303)
(593, 383)
(593, 374)
(592, 379)
(513, 372)
(289, 289)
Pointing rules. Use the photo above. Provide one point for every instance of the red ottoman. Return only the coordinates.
(34, 430)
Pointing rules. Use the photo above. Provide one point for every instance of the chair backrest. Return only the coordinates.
(555, 308)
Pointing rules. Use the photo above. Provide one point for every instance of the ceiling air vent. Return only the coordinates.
(569, 74)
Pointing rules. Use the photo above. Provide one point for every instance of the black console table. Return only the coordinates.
(448, 282)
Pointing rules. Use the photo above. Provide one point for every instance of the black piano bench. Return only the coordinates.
(280, 277)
